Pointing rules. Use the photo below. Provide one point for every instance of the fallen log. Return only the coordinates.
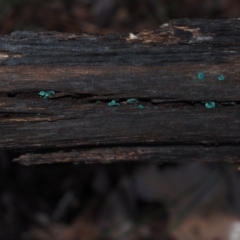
(165, 95)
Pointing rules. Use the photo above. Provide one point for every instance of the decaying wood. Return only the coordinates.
(163, 154)
(158, 67)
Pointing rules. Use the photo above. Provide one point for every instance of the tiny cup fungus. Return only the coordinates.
(201, 75)
(221, 77)
(210, 104)
(113, 103)
(131, 100)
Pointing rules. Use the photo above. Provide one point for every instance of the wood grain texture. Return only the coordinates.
(158, 67)
(159, 154)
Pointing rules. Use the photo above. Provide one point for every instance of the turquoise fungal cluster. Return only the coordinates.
(114, 103)
(201, 76)
(46, 94)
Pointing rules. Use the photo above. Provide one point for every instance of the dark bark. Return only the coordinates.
(157, 67)
(157, 154)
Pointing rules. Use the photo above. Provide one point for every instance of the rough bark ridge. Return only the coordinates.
(158, 67)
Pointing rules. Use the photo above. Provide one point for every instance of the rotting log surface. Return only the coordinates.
(157, 67)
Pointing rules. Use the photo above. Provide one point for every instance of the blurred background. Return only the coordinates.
(106, 15)
(130, 201)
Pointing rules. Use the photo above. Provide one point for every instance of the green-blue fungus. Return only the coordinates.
(98, 101)
(39, 114)
(210, 105)
(131, 100)
(113, 103)
(156, 107)
(46, 94)
(221, 77)
(140, 106)
(41, 93)
(201, 75)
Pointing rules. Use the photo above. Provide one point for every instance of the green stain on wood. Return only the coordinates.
(140, 106)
